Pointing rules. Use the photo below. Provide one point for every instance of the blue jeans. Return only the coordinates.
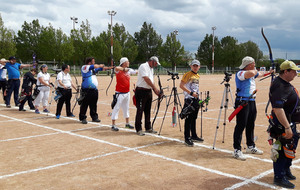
(13, 86)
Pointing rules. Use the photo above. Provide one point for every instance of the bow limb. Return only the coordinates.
(77, 93)
(159, 100)
(111, 75)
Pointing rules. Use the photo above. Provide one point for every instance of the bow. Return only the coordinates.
(273, 66)
(77, 93)
(159, 99)
(112, 73)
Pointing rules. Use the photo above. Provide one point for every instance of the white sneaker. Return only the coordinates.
(237, 154)
(254, 150)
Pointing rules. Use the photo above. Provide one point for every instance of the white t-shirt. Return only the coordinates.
(45, 76)
(144, 71)
(65, 79)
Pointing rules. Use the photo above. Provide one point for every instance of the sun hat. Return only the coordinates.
(246, 61)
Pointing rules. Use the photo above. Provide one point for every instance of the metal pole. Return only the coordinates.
(175, 34)
(213, 49)
(111, 13)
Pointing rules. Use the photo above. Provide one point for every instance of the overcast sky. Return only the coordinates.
(193, 19)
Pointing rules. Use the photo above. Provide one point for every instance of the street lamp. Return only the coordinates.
(175, 32)
(213, 48)
(75, 20)
(111, 13)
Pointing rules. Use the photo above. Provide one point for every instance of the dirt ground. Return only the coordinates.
(42, 152)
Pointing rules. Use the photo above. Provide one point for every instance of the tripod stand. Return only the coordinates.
(224, 105)
(176, 100)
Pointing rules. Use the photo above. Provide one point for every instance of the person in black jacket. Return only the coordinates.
(28, 81)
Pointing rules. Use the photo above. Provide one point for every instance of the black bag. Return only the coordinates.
(81, 97)
(114, 101)
(36, 92)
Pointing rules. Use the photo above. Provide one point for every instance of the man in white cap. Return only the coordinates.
(286, 114)
(122, 94)
(245, 83)
(143, 95)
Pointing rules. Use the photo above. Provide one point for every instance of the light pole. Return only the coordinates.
(213, 49)
(75, 20)
(111, 13)
(175, 32)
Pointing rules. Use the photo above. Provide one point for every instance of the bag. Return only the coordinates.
(81, 97)
(36, 92)
(114, 101)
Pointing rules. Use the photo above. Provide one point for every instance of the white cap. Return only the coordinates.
(154, 58)
(195, 62)
(246, 61)
(3, 60)
(123, 60)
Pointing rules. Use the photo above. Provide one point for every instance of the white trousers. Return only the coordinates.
(123, 102)
(43, 96)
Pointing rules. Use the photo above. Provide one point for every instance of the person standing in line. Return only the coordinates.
(44, 84)
(89, 89)
(143, 95)
(285, 103)
(64, 87)
(190, 86)
(245, 119)
(122, 92)
(26, 92)
(3, 81)
(13, 79)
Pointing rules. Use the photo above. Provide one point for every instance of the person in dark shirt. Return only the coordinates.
(286, 114)
(28, 81)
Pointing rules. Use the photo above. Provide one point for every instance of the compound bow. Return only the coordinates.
(77, 92)
(159, 99)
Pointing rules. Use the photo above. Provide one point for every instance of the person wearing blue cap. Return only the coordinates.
(13, 79)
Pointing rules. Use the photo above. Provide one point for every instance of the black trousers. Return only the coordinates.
(143, 104)
(13, 86)
(90, 100)
(190, 121)
(3, 86)
(65, 98)
(245, 119)
(27, 98)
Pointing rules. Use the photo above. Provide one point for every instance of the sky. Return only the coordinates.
(193, 19)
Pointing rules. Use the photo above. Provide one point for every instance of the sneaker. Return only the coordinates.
(254, 150)
(32, 108)
(71, 115)
(283, 182)
(128, 126)
(197, 139)
(151, 131)
(188, 142)
(84, 121)
(140, 133)
(22, 110)
(237, 154)
(37, 111)
(96, 120)
(8, 106)
(114, 128)
(46, 110)
(289, 175)
(58, 116)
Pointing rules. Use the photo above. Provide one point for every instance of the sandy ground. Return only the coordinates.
(41, 152)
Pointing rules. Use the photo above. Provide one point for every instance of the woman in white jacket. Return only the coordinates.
(44, 85)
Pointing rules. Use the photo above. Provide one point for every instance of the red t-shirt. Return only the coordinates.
(123, 82)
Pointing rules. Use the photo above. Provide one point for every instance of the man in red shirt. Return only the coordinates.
(122, 92)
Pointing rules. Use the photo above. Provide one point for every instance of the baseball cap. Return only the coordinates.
(3, 60)
(288, 65)
(246, 61)
(44, 65)
(12, 57)
(195, 62)
(123, 60)
(154, 58)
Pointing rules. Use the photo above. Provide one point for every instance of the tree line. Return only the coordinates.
(49, 43)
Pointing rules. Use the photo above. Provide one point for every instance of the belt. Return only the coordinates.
(141, 88)
(14, 79)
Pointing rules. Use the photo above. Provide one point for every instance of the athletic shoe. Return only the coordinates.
(283, 182)
(151, 131)
(128, 126)
(32, 108)
(254, 150)
(84, 121)
(96, 120)
(114, 128)
(37, 111)
(140, 133)
(8, 106)
(71, 115)
(58, 116)
(188, 142)
(197, 139)
(289, 175)
(237, 154)
(46, 110)
(22, 110)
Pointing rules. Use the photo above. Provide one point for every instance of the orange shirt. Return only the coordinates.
(123, 82)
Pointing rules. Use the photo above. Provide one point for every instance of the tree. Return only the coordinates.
(148, 42)
(7, 44)
(231, 53)
(251, 49)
